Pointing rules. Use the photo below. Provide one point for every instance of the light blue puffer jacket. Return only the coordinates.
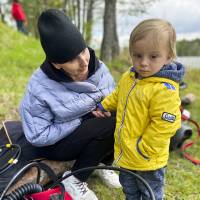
(51, 110)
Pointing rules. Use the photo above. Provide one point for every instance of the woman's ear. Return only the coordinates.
(57, 66)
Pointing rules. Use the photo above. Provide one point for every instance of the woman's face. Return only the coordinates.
(77, 68)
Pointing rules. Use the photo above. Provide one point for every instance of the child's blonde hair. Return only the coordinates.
(157, 27)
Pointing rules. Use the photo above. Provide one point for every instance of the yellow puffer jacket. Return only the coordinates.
(148, 115)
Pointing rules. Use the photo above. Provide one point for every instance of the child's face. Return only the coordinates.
(149, 58)
(78, 67)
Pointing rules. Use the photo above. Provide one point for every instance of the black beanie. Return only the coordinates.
(60, 39)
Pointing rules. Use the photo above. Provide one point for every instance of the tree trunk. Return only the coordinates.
(2, 14)
(78, 15)
(83, 19)
(65, 6)
(110, 43)
(89, 22)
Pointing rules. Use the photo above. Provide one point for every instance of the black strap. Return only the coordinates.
(48, 171)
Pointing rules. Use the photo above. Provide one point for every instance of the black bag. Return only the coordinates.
(12, 133)
(182, 134)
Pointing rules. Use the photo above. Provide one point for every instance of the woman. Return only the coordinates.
(56, 110)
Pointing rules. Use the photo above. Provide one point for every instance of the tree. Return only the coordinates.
(79, 11)
(89, 22)
(2, 11)
(33, 10)
(110, 43)
(188, 48)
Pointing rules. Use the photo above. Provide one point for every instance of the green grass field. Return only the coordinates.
(20, 56)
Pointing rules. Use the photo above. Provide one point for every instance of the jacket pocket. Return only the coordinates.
(139, 150)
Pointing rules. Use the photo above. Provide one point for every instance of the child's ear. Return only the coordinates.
(169, 59)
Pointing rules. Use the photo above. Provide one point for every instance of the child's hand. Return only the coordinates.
(98, 113)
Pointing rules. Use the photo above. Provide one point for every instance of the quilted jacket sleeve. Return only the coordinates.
(39, 125)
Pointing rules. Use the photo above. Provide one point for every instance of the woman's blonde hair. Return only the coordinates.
(158, 28)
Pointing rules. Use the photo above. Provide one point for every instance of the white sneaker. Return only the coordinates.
(109, 177)
(78, 190)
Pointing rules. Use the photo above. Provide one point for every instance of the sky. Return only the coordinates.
(184, 15)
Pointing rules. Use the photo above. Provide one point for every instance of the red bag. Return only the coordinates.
(46, 195)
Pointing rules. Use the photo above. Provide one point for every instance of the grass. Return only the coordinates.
(21, 55)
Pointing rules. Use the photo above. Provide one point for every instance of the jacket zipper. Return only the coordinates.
(122, 123)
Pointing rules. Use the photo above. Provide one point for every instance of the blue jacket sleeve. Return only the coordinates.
(40, 128)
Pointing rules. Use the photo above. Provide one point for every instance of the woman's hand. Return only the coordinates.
(98, 113)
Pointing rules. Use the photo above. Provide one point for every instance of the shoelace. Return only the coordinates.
(82, 186)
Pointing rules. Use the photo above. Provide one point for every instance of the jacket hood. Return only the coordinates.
(173, 71)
